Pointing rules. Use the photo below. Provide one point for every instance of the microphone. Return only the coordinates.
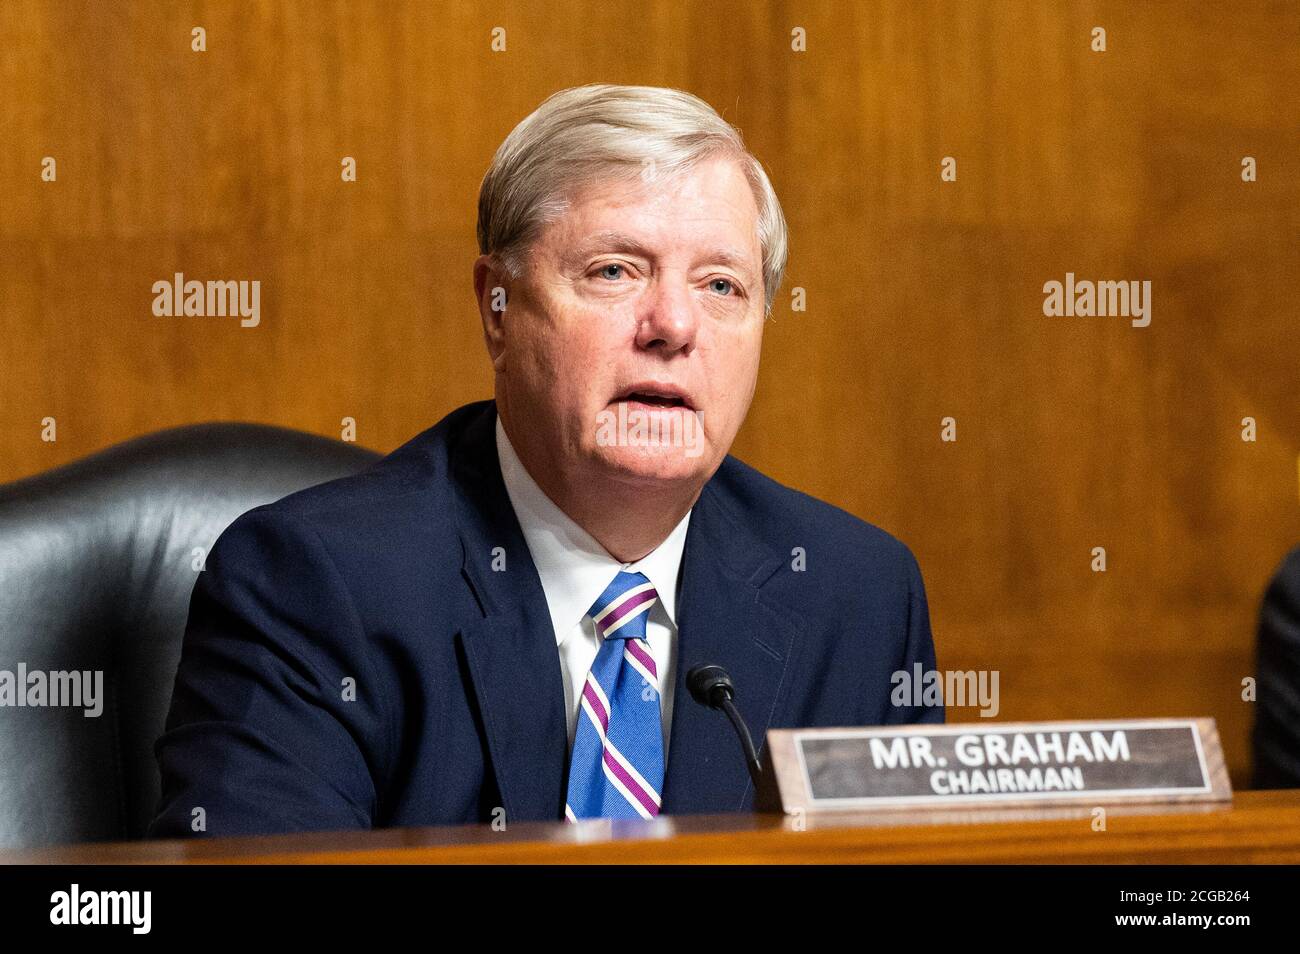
(711, 687)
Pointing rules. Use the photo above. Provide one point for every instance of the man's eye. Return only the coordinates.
(604, 270)
(724, 281)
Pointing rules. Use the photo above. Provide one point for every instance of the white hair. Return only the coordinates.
(589, 133)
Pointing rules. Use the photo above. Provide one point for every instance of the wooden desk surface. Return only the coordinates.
(1258, 827)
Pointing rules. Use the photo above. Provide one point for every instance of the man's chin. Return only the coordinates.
(651, 466)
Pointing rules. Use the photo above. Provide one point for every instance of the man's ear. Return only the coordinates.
(491, 286)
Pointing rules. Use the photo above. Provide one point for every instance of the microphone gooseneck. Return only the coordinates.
(712, 687)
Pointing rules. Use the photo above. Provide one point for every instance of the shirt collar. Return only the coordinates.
(574, 568)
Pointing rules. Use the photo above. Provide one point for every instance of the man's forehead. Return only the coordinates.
(710, 193)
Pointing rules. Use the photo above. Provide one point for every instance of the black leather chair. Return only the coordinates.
(97, 563)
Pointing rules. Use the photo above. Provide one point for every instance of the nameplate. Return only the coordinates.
(1000, 764)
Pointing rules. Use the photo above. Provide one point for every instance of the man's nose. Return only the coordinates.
(669, 321)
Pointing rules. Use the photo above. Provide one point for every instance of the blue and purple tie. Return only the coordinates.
(617, 768)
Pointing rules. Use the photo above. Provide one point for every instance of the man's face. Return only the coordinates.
(646, 293)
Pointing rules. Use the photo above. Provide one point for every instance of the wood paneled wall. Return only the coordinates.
(924, 297)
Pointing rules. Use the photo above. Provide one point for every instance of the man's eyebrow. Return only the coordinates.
(735, 259)
(611, 240)
(607, 240)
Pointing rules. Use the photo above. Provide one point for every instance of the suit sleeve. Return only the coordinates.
(274, 724)
(919, 648)
(1276, 738)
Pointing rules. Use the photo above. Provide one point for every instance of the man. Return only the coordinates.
(1276, 734)
(497, 619)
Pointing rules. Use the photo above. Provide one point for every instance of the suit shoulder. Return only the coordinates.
(1279, 620)
(783, 516)
(408, 487)
(1285, 583)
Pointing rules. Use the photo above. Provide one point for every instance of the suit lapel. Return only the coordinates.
(511, 652)
(723, 619)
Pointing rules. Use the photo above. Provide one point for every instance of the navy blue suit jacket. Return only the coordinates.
(353, 660)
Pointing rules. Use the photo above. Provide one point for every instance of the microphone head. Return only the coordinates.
(709, 685)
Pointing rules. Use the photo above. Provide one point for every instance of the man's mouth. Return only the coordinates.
(655, 395)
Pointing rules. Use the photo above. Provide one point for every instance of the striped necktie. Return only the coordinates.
(617, 768)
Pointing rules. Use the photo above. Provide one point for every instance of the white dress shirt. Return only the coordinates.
(575, 570)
